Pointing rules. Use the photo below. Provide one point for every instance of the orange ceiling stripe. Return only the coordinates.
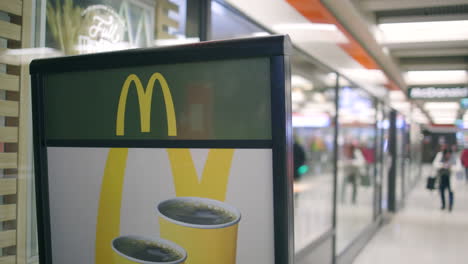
(316, 12)
(392, 86)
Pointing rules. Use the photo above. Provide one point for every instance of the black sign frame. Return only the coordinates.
(277, 48)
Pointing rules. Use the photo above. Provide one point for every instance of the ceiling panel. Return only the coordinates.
(383, 5)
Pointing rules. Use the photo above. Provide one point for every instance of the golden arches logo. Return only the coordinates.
(145, 101)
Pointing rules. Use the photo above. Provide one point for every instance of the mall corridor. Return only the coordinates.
(233, 131)
(421, 232)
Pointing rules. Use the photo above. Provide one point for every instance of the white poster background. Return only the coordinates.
(75, 176)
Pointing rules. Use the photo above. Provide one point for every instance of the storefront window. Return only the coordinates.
(313, 103)
(356, 162)
(88, 26)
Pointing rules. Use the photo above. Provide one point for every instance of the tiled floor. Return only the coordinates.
(422, 233)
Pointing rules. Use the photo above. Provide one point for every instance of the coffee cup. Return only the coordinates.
(205, 228)
(141, 250)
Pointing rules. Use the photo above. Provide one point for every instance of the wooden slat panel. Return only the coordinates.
(12, 7)
(7, 186)
(169, 22)
(8, 59)
(8, 134)
(9, 108)
(10, 31)
(165, 35)
(7, 238)
(9, 82)
(8, 260)
(8, 160)
(166, 4)
(7, 212)
(163, 18)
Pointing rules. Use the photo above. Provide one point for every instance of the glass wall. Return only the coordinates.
(401, 153)
(356, 162)
(416, 145)
(313, 105)
(379, 161)
(227, 24)
(386, 155)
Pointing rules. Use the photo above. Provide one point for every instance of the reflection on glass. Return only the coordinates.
(416, 150)
(225, 24)
(90, 26)
(356, 164)
(386, 157)
(400, 159)
(313, 114)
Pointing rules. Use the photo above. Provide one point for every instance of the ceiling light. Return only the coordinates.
(260, 34)
(305, 26)
(424, 31)
(443, 116)
(366, 75)
(431, 106)
(311, 33)
(436, 77)
(443, 111)
(444, 120)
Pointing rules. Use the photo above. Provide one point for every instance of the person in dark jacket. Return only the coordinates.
(445, 164)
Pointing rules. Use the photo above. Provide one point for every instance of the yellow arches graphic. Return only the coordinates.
(110, 203)
(213, 185)
(215, 175)
(145, 101)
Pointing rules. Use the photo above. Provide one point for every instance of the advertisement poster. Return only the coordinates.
(165, 163)
(103, 194)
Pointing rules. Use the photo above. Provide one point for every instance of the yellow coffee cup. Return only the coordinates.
(205, 243)
(141, 250)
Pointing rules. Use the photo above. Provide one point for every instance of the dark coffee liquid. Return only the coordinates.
(145, 250)
(196, 213)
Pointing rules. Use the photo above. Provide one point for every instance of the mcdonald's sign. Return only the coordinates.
(145, 97)
(116, 162)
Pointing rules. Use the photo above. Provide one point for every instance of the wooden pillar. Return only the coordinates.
(14, 133)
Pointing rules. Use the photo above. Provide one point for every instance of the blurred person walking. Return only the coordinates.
(445, 164)
(464, 161)
(353, 163)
